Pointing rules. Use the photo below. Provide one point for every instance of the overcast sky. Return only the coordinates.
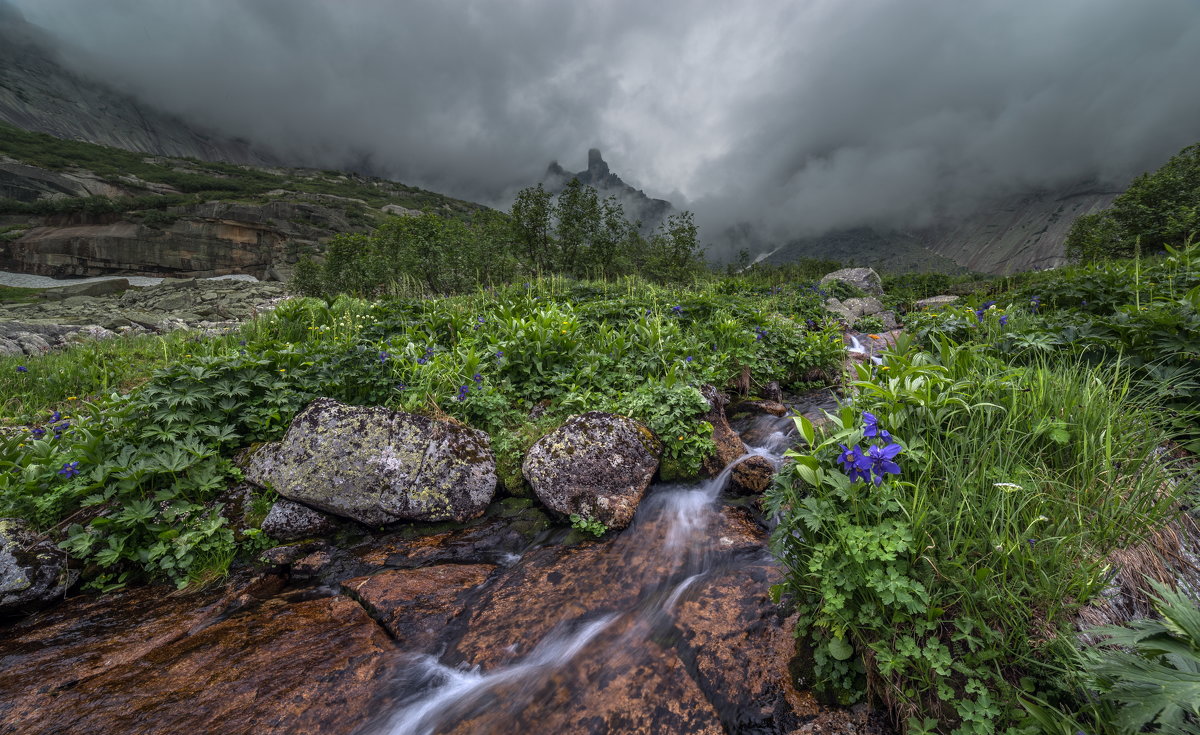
(803, 116)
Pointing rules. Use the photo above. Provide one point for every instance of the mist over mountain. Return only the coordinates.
(637, 205)
(793, 119)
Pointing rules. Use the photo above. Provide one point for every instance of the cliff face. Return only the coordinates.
(1018, 233)
(37, 93)
(638, 207)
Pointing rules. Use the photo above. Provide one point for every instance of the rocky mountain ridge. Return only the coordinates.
(638, 206)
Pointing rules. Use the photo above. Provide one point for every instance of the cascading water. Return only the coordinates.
(665, 555)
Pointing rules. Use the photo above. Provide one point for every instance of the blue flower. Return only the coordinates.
(401, 386)
(1004, 320)
(462, 392)
(22, 369)
(477, 378)
(499, 354)
(854, 463)
(988, 304)
(242, 343)
(383, 356)
(55, 417)
(677, 310)
(70, 469)
(481, 320)
(1032, 541)
(979, 314)
(880, 459)
(872, 427)
(688, 358)
(421, 361)
(38, 432)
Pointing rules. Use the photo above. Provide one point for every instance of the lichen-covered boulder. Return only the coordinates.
(33, 571)
(597, 465)
(864, 278)
(378, 466)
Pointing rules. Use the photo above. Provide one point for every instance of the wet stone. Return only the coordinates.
(416, 605)
(289, 521)
(752, 476)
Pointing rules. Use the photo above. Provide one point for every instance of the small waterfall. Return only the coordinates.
(857, 347)
(671, 528)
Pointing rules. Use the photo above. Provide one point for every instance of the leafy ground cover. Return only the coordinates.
(124, 446)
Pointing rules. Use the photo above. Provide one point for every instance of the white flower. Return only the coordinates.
(1007, 486)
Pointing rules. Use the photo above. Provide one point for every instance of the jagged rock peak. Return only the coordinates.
(596, 165)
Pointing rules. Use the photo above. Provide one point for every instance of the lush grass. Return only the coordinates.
(943, 591)
(17, 295)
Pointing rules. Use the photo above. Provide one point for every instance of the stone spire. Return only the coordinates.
(597, 168)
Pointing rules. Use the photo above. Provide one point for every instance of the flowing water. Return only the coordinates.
(678, 540)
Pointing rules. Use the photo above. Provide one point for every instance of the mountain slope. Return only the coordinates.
(38, 93)
(638, 207)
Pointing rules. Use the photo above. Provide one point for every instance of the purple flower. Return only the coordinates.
(872, 427)
(1004, 320)
(854, 463)
(401, 386)
(688, 358)
(481, 320)
(421, 361)
(70, 469)
(55, 417)
(242, 342)
(499, 354)
(462, 392)
(383, 356)
(676, 310)
(22, 369)
(38, 432)
(979, 314)
(880, 459)
(1032, 541)
(477, 378)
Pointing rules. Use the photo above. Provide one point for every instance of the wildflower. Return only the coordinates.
(421, 361)
(499, 354)
(1004, 320)
(38, 432)
(462, 392)
(872, 427)
(477, 378)
(22, 369)
(383, 356)
(874, 336)
(677, 310)
(481, 320)
(688, 358)
(242, 342)
(1007, 487)
(979, 314)
(1032, 541)
(854, 463)
(988, 305)
(401, 386)
(72, 398)
(56, 416)
(881, 461)
(681, 437)
(69, 470)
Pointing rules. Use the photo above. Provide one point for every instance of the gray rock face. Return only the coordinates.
(378, 466)
(289, 521)
(935, 302)
(33, 572)
(865, 278)
(597, 465)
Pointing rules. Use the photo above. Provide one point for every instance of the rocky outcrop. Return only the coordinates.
(214, 306)
(417, 605)
(596, 465)
(33, 571)
(378, 466)
(729, 446)
(289, 521)
(864, 279)
(934, 302)
(852, 310)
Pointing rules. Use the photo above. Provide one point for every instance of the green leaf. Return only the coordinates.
(840, 649)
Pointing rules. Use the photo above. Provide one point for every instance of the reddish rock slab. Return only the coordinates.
(729, 446)
(89, 635)
(280, 667)
(619, 682)
(416, 605)
(729, 629)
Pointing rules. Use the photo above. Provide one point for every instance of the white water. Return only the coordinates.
(672, 524)
(856, 347)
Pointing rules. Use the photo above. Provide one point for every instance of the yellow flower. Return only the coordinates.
(873, 336)
(72, 398)
(681, 437)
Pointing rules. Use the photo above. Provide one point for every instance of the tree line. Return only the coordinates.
(576, 234)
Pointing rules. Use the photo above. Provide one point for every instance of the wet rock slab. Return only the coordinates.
(416, 605)
(146, 663)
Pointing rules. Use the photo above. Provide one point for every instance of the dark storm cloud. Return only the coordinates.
(803, 116)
